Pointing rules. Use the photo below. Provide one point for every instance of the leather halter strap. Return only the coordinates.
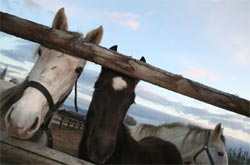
(52, 108)
(44, 91)
(205, 147)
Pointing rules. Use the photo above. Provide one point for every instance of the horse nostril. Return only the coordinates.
(35, 124)
(8, 116)
(221, 153)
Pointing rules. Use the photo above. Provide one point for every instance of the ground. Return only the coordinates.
(66, 139)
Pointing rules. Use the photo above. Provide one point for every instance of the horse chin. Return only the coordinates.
(20, 134)
(100, 153)
(25, 132)
(99, 159)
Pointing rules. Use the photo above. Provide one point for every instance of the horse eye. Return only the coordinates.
(221, 153)
(79, 70)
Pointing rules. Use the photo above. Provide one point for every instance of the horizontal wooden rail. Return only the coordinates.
(14, 151)
(68, 43)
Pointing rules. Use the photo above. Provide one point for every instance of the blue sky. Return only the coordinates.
(204, 40)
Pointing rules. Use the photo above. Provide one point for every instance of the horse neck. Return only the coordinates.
(126, 146)
(174, 132)
(124, 139)
(123, 134)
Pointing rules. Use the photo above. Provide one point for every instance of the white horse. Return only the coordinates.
(3, 73)
(6, 84)
(197, 145)
(23, 107)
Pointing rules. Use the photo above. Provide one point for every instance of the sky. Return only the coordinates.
(207, 41)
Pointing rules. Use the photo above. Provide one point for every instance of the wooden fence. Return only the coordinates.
(71, 123)
(16, 151)
(71, 44)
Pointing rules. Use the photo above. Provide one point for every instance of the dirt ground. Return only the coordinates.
(66, 139)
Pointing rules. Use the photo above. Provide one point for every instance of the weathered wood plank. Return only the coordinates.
(26, 152)
(75, 46)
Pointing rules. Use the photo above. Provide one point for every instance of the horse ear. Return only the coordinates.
(95, 36)
(217, 132)
(60, 20)
(114, 48)
(143, 59)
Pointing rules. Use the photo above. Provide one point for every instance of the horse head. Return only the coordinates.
(114, 93)
(55, 72)
(205, 146)
(213, 150)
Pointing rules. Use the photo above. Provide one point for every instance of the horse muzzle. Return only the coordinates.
(99, 151)
(22, 128)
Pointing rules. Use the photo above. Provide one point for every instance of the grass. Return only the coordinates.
(238, 156)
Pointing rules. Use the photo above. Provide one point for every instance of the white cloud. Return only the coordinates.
(126, 19)
(31, 4)
(200, 73)
(132, 24)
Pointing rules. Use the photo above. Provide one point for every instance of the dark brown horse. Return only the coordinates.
(106, 139)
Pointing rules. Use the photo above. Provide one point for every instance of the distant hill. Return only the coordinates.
(81, 111)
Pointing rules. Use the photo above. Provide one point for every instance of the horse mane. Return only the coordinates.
(172, 125)
(124, 131)
(147, 129)
(194, 130)
(11, 95)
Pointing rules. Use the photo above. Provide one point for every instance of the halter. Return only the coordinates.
(205, 147)
(52, 108)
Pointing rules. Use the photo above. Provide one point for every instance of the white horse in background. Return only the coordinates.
(6, 84)
(197, 145)
(3, 73)
(23, 107)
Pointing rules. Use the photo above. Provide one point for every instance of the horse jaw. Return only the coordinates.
(24, 117)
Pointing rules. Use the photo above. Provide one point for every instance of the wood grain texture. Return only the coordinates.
(71, 44)
(16, 151)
